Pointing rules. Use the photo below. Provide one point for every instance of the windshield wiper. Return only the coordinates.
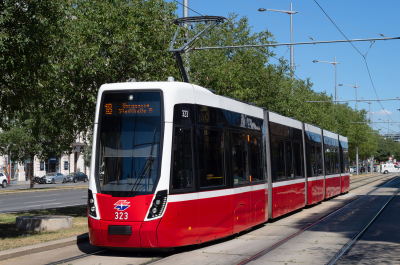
(145, 170)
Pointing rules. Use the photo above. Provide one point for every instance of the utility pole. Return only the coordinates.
(291, 12)
(186, 14)
(291, 41)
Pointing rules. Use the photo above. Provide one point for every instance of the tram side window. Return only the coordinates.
(311, 152)
(297, 160)
(182, 175)
(255, 150)
(335, 161)
(211, 157)
(318, 154)
(278, 159)
(328, 161)
(240, 158)
(289, 160)
(345, 165)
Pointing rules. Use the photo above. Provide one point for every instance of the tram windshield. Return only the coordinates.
(129, 143)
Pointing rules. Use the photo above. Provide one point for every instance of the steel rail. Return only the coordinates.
(361, 231)
(76, 257)
(366, 179)
(271, 248)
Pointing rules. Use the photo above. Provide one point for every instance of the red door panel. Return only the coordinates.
(215, 218)
(259, 212)
(240, 217)
(179, 225)
(279, 201)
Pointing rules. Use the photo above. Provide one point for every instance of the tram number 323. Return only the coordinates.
(121, 215)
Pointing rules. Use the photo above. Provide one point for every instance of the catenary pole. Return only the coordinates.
(291, 41)
(186, 14)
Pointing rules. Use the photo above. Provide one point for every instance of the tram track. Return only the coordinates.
(360, 232)
(269, 249)
(372, 178)
(348, 244)
(77, 257)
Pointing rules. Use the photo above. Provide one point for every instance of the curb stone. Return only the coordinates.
(59, 243)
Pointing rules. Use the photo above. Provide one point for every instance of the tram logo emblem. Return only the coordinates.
(121, 205)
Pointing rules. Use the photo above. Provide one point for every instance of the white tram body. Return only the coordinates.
(174, 164)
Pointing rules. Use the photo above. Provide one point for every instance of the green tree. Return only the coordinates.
(112, 41)
(387, 148)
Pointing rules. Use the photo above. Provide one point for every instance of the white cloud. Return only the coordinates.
(383, 113)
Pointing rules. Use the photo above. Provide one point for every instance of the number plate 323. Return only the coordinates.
(121, 215)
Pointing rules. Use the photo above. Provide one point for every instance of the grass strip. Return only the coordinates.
(13, 238)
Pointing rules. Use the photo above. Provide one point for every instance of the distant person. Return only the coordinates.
(26, 176)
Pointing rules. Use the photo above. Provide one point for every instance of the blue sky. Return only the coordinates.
(357, 20)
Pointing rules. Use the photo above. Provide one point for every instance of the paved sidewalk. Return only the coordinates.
(54, 244)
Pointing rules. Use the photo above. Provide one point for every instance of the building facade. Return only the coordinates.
(64, 163)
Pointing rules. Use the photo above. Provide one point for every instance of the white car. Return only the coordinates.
(3, 180)
(54, 177)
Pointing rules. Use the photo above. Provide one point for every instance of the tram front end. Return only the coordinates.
(124, 205)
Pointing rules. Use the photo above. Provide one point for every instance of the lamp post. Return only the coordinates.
(334, 63)
(355, 86)
(356, 109)
(289, 12)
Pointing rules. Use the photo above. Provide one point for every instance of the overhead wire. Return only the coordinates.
(188, 8)
(364, 56)
(325, 19)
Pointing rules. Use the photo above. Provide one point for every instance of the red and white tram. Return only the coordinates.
(174, 164)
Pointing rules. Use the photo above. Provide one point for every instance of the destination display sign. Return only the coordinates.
(131, 104)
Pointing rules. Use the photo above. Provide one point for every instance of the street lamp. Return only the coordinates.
(334, 63)
(356, 108)
(354, 87)
(291, 12)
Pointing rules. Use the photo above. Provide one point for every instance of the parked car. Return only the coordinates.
(3, 180)
(352, 169)
(54, 177)
(76, 176)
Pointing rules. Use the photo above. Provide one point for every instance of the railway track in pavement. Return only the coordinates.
(96, 256)
(256, 259)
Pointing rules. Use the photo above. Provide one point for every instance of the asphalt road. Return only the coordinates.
(26, 201)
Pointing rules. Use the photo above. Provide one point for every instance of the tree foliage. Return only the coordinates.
(249, 75)
(387, 148)
(55, 55)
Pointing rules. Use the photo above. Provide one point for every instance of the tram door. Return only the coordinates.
(215, 205)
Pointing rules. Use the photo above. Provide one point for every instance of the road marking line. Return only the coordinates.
(39, 201)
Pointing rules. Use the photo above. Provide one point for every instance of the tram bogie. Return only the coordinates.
(174, 164)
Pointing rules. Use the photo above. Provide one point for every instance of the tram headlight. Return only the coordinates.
(159, 203)
(91, 206)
